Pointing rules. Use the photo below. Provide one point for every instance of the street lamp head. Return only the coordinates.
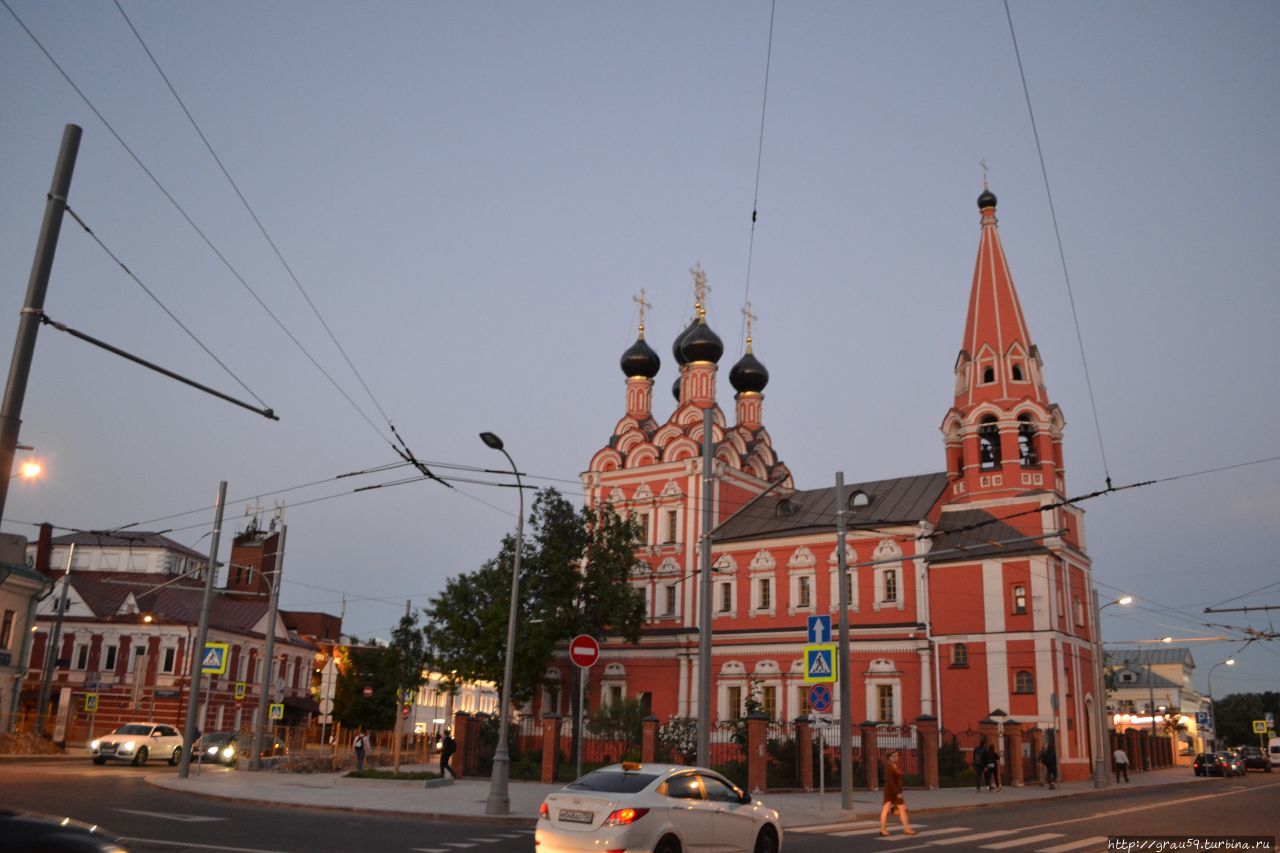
(1230, 661)
(1125, 600)
(491, 440)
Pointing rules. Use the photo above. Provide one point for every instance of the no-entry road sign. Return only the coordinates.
(584, 650)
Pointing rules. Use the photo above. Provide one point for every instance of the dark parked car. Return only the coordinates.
(1236, 763)
(29, 831)
(1253, 758)
(228, 747)
(1212, 764)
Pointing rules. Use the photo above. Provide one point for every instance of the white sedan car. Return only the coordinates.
(136, 742)
(657, 807)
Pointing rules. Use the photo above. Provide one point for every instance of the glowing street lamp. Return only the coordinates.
(1213, 714)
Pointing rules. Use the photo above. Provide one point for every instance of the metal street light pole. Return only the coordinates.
(499, 801)
(1102, 779)
(1213, 711)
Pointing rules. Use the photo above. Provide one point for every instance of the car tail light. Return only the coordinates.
(543, 811)
(624, 816)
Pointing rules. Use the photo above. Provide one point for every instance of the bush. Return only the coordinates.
(373, 773)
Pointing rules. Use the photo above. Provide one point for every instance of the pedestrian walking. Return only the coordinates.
(1121, 761)
(991, 769)
(893, 796)
(360, 744)
(1049, 758)
(447, 749)
(979, 764)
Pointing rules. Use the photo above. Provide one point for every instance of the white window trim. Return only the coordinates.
(756, 608)
(722, 703)
(164, 653)
(793, 598)
(732, 612)
(873, 698)
(833, 575)
(668, 590)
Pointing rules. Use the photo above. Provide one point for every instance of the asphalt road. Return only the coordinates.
(152, 819)
(1246, 805)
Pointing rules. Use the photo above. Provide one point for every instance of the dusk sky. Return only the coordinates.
(470, 194)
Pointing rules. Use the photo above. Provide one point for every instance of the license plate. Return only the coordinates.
(575, 816)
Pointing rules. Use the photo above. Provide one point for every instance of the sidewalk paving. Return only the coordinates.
(466, 798)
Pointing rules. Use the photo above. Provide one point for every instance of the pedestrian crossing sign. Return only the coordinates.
(277, 710)
(214, 661)
(820, 663)
(91, 703)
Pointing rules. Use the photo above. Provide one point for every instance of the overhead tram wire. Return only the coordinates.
(1062, 255)
(191, 222)
(252, 213)
(755, 196)
(80, 221)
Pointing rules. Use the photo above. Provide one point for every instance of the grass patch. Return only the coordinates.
(417, 775)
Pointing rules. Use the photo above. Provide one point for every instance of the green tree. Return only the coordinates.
(388, 669)
(1234, 715)
(574, 579)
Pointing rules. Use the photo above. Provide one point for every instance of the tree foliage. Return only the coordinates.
(1234, 715)
(574, 571)
(387, 669)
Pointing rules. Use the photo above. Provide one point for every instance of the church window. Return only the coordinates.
(642, 521)
(1027, 442)
(1023, 682)
(765, 586)
(614, 694)
(884, 702)
(769, 702)
(805, 593)
(1079, 612)
(891, 585)
(988, 375)
(170, 658)
(669, 600)
(82, 657)
(989, 444)
(726, 596)
(733, 703)
(1019, 599)
(959, 655)
(802, 700)
(109, 661)
(673, 524)
(1017, 373)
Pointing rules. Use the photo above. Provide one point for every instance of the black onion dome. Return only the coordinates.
(675, 389)
(987, 199)
(701, 344)
(640, 360)
(676, 348)
(748, 375)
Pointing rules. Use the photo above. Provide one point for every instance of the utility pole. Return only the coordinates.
(24, 345)
(842, 656)
(51, 649)
(194, 708)
(704, 599)
(268, 657)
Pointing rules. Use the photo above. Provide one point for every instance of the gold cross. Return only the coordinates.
(639, 300)
(983, 163)
(751, 318)
(700, 289)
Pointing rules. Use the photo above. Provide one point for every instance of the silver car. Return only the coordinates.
(657, 807)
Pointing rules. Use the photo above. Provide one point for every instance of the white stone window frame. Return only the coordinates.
(668, 599)
(833, 574)
(80, 657)
(802, 563)
(732, 674)
(888, 549)
(613, 678)
(551, 699)
(646, 589)
(766, 674)
(763, 567)
(165, 650)
(725, 571)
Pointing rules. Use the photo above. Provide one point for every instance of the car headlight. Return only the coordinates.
(229, 752)
(93, 744)
(213, 750)
(128, 746)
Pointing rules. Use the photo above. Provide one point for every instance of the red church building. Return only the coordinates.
(968, 589)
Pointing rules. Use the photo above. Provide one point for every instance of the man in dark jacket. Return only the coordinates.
(447, 749)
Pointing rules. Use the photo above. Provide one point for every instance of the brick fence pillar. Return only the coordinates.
(927, 727)
(804, 753)
(1035, 736)
(870, 755)
(462, 738)
(757, 756)
(550, 746)
(649, 739)
(1013, 731)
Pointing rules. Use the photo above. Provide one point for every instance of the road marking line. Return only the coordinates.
(904, 837)
(458, 844)
(184, 818)
(429, 849)
(981, 835)
(873, 829)
(179, 845)
(823, 827)
(1018, 842)
(487, 840)
(1075, 845)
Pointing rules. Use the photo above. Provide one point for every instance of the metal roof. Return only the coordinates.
(970, 534)
(122, 539)
(902, 500)
(1151, 657)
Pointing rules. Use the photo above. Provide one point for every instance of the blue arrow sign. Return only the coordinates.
(819, 629)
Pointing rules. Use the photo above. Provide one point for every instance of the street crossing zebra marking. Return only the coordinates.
(1018, 842)
(184, 818)
(459, 844)
(964, 839)
(824, 827)
(873, 829)
(1075, 845)
(947, 831)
